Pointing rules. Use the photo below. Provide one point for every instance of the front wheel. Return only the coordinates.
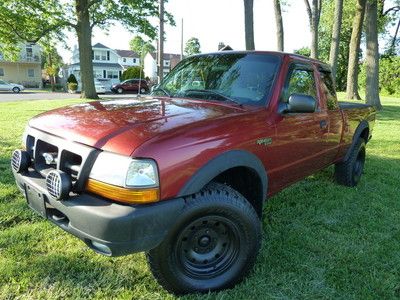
(349, 172)
(212, 246)
(120, 90)
(16, 90)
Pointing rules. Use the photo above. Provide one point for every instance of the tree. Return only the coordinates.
(372, 55)
(249, 24)
(337, 26)
(192, 46)
(42, 17)
(279, 25)
(305, 51)
(352, 72)
(141, 47)
(51, 61)
(314, 14)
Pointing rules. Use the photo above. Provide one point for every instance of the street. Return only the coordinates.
(39, 95)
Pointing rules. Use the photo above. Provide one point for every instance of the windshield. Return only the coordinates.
(245, 78)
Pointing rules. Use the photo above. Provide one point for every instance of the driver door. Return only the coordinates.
(298, 142)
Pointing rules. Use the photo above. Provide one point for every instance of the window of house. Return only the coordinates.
(103, 56)
(112, 74)
(124, 60)
(134, 60)
(301, 82)
(29, 52)
(1, 72)
(329, 90)
(98, 74)
(31, 73)
(166, 63)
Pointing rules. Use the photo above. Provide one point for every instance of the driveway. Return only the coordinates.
(32, 95)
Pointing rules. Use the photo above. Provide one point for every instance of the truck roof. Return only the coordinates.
(325, 66)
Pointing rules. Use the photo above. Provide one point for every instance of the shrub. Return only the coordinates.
(72, 86)
(72, 79)
(133, 72)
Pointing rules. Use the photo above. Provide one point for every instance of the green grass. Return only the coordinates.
(320, 240)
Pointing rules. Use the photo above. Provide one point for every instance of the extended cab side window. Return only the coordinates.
(301, 82)
(329, 90)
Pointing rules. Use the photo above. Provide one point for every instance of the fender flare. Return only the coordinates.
(363, 125)
(221, 163)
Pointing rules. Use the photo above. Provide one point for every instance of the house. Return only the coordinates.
(108, 64)
(26, 70)
(150, 64)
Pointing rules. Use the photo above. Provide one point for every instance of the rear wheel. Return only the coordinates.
(212, 246)
(349, 172)
(16, 89)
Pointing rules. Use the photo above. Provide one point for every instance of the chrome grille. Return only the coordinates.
(16, 160)
(53, 184)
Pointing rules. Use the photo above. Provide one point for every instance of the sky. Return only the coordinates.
(214, 21)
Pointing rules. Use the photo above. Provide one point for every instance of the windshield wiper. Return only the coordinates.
(226, 98)
(162, 90)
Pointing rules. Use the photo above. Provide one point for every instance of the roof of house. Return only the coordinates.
(127, 53)
(99, 45)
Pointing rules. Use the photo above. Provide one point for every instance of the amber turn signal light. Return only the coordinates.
(120, 194)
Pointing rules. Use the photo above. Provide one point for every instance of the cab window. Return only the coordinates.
(329, 90)
(301, 81)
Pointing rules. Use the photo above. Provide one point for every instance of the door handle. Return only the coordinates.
(323, 124)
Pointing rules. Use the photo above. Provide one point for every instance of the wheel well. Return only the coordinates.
(247, 182)
(365, 134)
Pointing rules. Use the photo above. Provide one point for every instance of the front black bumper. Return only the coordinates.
(106, 227)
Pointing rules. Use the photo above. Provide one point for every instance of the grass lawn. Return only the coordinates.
(320, 240)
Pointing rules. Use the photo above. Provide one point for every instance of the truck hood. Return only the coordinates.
(121, 126)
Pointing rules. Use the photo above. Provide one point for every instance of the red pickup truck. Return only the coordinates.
(183, 174)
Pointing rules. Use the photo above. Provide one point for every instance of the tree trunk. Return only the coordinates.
(161, 43)
(279, 26)
(249, 24)
(392, 49)
(352, 70)
(372, 55)
(313, 18)
(337, 25)
(52, 79)
(84, 32)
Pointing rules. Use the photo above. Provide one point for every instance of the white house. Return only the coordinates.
(108, 64)
(150, 64)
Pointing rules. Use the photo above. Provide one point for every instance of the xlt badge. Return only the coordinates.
(264, 141)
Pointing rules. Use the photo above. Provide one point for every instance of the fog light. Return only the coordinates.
(58, 184)
(101, 248)
(20, 161)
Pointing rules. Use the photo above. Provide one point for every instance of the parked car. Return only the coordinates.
(131, 85)
(100, 88)
(9, 86)
(184, 173)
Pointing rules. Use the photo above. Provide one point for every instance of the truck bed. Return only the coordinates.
(351, 105)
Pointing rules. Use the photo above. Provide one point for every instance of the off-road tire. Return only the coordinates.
(349, 171)
(223, 218)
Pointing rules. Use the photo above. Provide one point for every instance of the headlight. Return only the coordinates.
(124, 171)
(124, 179)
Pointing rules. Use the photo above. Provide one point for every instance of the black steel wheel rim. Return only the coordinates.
(359, 165)
(207, 247)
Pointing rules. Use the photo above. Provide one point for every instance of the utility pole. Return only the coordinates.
(161, 42)
(182, 41)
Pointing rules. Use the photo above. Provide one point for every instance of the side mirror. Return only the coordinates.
(299, 103)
